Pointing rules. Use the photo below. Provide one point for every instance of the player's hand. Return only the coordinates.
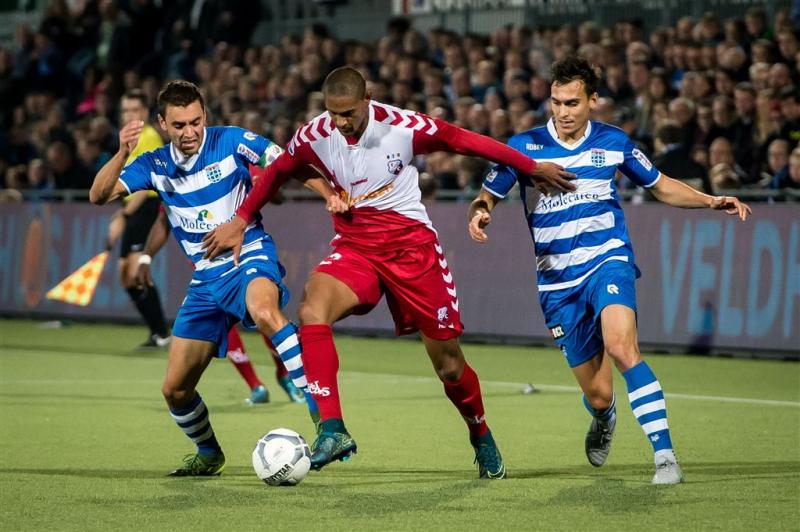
(731, 205)
(144, 276)
(129, 135)
(477, 224)
(551, 175)
(335, 204)
(224, 237)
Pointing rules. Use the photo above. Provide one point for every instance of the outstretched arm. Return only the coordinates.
(448, 137)
(479, 215)
(678, 194)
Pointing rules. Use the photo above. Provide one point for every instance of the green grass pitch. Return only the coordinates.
(85, 441)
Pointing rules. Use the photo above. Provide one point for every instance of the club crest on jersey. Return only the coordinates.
(442, 316)
(247, 153)
(213, 172)
(394, 163)
(598, 157)
(490, 176)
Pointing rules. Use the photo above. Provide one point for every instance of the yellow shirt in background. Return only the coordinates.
(149, 140)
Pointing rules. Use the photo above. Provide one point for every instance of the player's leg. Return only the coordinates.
(594, 378)
(238, 357)
(325, 300)
(146, 299)
(570, 317)
(263, 299)
(295, 394)
(188, 358)
(462, 387)
(644, 390)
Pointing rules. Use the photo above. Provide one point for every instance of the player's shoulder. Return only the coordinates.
(609, 133)
(530, 140)
(318, 128)
(402, 118)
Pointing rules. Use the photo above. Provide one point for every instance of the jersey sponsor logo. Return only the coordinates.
(247, 153)
(642, 158)
(213, 172)
(394, 164)
(204, 215)
(249, 135)
(533, 147)
(159, 162)
(612, 289)
(200, 223)
(315, 389)
(557, 332)
(548, 203)
(490, 176)
(598, 157)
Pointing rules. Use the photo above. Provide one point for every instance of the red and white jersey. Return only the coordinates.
(374, 172)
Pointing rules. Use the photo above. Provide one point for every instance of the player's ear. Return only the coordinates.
(161, 122)
(368, 95)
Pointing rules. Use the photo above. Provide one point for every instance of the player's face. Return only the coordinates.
(132, 109)
(184, 126)
(349, 113)
(571, 108)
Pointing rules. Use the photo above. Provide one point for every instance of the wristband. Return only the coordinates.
(145, 259)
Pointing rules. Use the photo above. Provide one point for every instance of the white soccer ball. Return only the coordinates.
(281, 458)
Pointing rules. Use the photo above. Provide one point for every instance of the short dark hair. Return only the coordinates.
(180, 93)
(136, 94)
(345, 81)
(669, 132)
(575, 68)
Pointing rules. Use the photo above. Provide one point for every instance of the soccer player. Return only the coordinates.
(385, 244)
(201, 178)
(585, 263)
(158, 236)
(133, 222)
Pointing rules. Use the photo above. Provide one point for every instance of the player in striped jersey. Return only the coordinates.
(585, 263)
(202, 177)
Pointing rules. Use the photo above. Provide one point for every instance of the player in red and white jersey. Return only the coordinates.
(385, 244)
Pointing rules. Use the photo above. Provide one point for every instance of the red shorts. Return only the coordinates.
(418, 285)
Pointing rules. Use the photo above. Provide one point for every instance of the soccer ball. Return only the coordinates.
(281, 458)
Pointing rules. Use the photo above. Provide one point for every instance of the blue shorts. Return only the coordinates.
(573, 315)
(211, 308)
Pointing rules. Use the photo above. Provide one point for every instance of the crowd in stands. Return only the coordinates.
(713, 101)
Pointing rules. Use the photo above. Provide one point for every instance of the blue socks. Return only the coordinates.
(288, 348)
(647, 402)
(193, 421)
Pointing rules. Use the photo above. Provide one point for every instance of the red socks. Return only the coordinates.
(465, 394)
(238, 356)
(321, 363)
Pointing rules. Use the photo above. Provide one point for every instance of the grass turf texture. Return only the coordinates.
(85, 442)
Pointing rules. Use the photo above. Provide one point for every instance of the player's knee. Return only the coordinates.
(176, 397)
(448, 367)
(309, 313)
(625, 354)
(268, 319)
(599, 398)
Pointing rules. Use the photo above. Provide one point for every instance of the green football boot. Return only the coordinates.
(488, 458)
(200, 465)
(331, 446)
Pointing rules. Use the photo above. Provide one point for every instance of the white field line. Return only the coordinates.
(408, 378)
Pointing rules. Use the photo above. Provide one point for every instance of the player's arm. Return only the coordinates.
(678, 194)
(333, 201)
(107, 186)
(448, 137)
(479, 215)
(156, 238)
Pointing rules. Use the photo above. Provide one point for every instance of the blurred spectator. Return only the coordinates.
(777, 162)
(791, 177)
(673, 158)
(721, 152)
(68, 172)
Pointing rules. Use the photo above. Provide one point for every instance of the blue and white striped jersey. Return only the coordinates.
(204, 191)
(574, 233)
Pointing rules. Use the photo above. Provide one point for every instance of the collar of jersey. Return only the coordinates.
(551, 128)
(182, 162)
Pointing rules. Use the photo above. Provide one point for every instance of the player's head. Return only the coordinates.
(573, 94)
(182, 114)
(347, 100)
(133, 106)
